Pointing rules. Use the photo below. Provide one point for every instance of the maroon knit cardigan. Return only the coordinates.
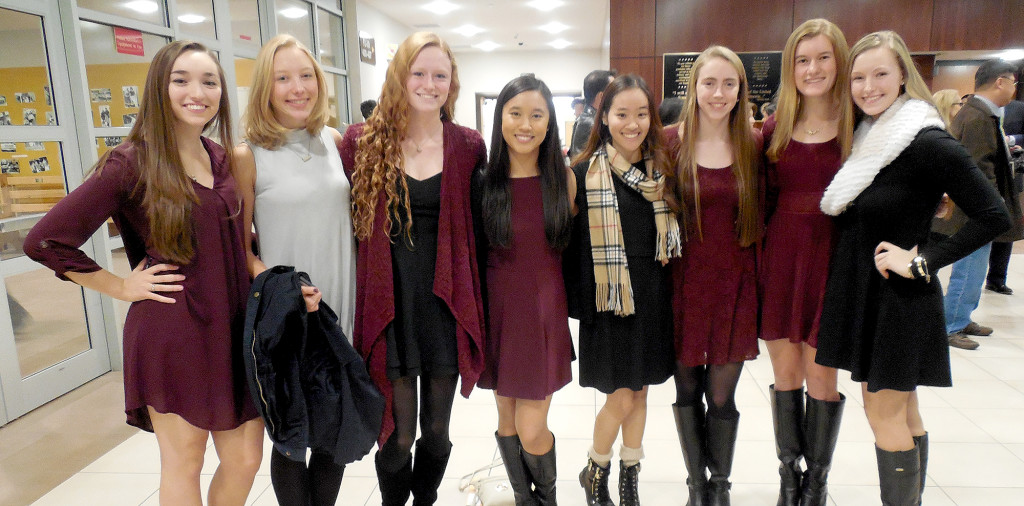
(456, 275)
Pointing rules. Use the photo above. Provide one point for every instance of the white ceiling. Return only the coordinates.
(510, 23)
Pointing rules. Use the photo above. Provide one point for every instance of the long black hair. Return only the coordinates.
(497, 191)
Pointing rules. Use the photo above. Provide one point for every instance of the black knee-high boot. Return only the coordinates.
(395, 486)
(899, 477)
(721, 446)
(821, 432)
(427, 472)
(690, 427)
(787, 415)
(543, 472)
(512, 455)
(921, 442)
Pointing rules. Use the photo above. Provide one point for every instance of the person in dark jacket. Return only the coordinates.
(593, 89)
(999, 259)
(309, 384)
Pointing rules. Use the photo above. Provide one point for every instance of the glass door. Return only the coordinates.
(53, 335)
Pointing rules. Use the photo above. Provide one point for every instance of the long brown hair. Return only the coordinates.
(746, 159)
(652, 145)
(791, 101)
(259, 122)
(168, 194)
(379, 149)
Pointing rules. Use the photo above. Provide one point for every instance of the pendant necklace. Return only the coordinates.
(419, 149)
(808, 131)
(305, 157)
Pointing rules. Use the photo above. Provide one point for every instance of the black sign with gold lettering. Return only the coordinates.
(367, 49)
(762, 69)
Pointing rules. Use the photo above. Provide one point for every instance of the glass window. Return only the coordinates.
(31, 182)
(337, 101)
(243, 80)
(332, 39)
(116, 76)
(245, 23)
(195, 17)
(150, 11)
(293, 17)
(25, 88)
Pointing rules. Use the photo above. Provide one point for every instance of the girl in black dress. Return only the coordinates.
(882, 318)
(623, 236)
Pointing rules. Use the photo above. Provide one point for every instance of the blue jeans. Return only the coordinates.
(964, 291)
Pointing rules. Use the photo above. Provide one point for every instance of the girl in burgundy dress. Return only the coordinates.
(527, 195)
(419, 320)
(715, 282)
(807, 139)
(171, 194)
(624, 233)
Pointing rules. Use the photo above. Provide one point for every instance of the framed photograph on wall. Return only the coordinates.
(26, 97)
(9, 167)
(51, 119)
(131, 96)
(29, 117)
(34, 146)
(3, 100)
(5, 118)
(49, 99)
(104, 115)
(129, 119)
(8, 147)
(40, 164)
(100, 94)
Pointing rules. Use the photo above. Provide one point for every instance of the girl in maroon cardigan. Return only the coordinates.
(171, 194)
(419, 309)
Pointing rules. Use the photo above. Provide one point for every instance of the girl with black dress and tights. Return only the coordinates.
(419, 311)
(882, 319)
(171, 194)
(624, 233)
(526, 193)
(714, 297)
(807, 139)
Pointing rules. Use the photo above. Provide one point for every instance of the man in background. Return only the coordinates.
(593, 89)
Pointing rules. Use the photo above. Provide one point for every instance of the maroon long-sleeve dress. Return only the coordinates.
(182, 358)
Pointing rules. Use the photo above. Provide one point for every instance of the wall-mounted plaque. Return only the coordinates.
(762, 69)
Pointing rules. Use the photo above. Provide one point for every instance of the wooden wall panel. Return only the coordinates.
(632, 29)
(978, 24)
(926, 67)
(955, 75)
(646, 68)
(742, 25)
(912, 19)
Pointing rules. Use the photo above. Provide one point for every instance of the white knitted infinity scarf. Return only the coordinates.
(876, 143)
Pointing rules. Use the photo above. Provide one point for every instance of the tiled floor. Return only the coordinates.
(977, 439)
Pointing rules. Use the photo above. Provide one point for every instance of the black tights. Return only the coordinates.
(717, 383)
(296, 484)
(436, 396)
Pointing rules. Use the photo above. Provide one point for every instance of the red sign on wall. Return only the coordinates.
(127, 41)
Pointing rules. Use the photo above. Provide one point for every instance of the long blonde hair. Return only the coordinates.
(259, 123)
(913, 84)
(791, 101)
(746, 159)
(944, 102)
(379, 148)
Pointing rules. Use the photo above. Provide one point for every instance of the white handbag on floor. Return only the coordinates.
(485, 489)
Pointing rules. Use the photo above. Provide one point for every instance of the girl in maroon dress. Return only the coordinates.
(624, 233)
(526, 195)
(807, 139)
(715, 282)
(419, 319)
(171, 194)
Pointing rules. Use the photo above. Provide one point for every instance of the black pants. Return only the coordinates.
(998, 261)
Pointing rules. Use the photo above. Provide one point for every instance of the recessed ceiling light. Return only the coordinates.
(441, 7)
(468, 30)
(554, 27)
(545, 5)
(293, 12)
(143, 6)
(560, 44)
(1012, 54)
(487, 45)
(191, 18)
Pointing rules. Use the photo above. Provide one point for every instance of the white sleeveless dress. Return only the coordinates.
(302, 216)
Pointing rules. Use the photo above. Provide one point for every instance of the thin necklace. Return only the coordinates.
(309, 150)
(419, 149)
(808, 131)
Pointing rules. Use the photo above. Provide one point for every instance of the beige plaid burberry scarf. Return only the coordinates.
(611, 273)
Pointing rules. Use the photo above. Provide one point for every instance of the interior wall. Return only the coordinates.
(562, 71)
(385, 31)
(928, 26)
